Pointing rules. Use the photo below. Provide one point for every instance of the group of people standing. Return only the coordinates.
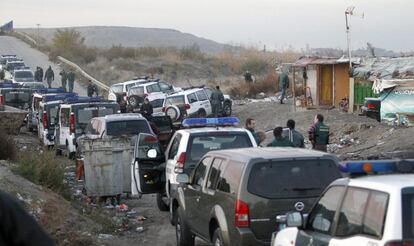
(318, 134)
(67, 78)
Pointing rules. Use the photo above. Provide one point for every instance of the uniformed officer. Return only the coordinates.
(91, 89)
(319, 134)
(283, 84)
(71, 80)
(63, 78)
(279, 140)
(146, 109)
(216, 99)
(251, 125)
(49, 76)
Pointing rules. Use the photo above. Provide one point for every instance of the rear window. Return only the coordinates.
(136, 91)
(175, 100)
(23, 74)
(291, 179)
(199, 145)
(117, 88)
(157, 103)
(17, 96)
(408, 212)
(128, 127)
(163, 123)
(52, 113)
(85, 114)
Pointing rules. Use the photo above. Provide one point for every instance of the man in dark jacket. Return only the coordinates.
(294, 136)
(91, 89)
(71, 80)
(18, 227)
(319, 134)
(251, 125)
(49, 76)
(283, 84)
(146, 109)
(279, 140)
(63, 78)
(216, 100)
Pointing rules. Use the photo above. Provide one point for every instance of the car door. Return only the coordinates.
(148, 171)
(194, 104)
(204, 101)
(321, 220)
(64, 126)
(193, 205)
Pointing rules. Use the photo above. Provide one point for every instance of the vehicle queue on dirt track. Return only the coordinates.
(214, 180)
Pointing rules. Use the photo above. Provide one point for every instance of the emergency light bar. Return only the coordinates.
(378, 166)
(202, 122)
(9, 85)
(57, 97)
(78, 99)
(51, 90)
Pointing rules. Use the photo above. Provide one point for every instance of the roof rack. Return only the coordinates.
(78, 99)
(62, 96)
(194, 87)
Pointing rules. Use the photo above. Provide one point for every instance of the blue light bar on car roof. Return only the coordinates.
(199, 122)
(61, 96)
(8, 85)
(51, 90)
(78, 99)
(378, 166)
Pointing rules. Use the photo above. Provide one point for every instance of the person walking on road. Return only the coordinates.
(146, 109)
(63, 78)
(38, 77)
(283, 84)
(294, 136)
(251, 125)
(279, 140)
(71, 80)
(91, 89)
(49, 76)
(216, 100)
(319, 134)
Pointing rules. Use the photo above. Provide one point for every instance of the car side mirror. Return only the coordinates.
(294, 219)
(183, 178)
(152, 153)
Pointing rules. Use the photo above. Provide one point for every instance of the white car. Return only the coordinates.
(121, 89)
(374, 210)
(188, 103)
(22, 75)
(73, 117)
(187, 146)
(137, 93)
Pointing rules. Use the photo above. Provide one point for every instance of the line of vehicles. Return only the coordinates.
(214, 180)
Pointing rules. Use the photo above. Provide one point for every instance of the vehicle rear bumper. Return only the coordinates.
(247, 238)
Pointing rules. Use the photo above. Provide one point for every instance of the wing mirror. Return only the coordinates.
(183, 178)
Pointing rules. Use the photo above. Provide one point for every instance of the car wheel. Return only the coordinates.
(58, 151)
(72, 155)
(218, 238)
(173, 111)
(227, 109)
(182, 232)
(202, 113)
(162, 204)
(133, 101)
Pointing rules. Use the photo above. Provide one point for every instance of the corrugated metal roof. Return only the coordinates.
(303, 62)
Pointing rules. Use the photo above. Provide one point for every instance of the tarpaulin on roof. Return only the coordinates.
(380, 85)
(385, 68)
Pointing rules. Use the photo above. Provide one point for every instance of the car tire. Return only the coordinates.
(72, 155)
(201, 113)
(162, 206)
(183, 234)
(218, 238)
(133, 101)
(227, 110)
(58, 151)
(173, 111)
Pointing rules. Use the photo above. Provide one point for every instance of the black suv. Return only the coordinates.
(237, 197)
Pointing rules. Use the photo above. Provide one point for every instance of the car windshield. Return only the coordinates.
(291, 179)
(117, 88)
(127, 127)
(136, 90)
(175, 100)
(199, 145)
(23, 74)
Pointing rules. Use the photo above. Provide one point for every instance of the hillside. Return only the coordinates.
(106, 36)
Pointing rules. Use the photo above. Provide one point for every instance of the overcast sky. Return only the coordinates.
(276, 23)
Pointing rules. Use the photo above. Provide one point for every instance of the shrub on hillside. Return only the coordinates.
(7, 146)
(268, 85)
(255, 65)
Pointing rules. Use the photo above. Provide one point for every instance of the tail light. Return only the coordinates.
(163, 109)
(242, 214)
(179, 166)
(72, 123)
(1, 100)
(44, 120)
(399, 243)
(187, 106)
(371, 106)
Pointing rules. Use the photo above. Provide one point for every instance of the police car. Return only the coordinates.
(188, 145)
(374, 209)
(72, 118)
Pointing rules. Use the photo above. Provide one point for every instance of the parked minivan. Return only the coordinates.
(73, 117)
(238, 196)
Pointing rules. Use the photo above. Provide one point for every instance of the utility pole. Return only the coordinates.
(348, 12)
(38, 33)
